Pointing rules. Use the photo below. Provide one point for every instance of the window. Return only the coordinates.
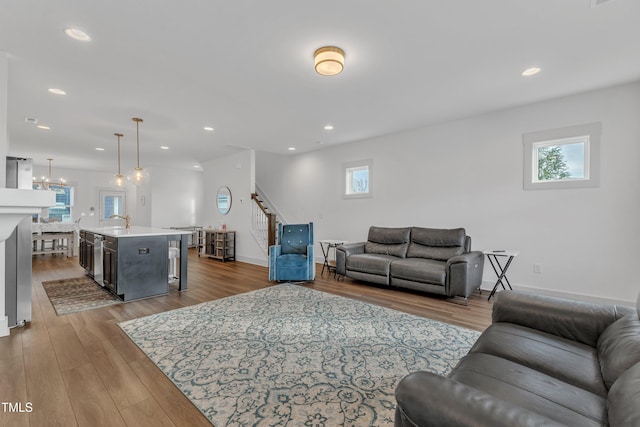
(63, 210)
(562, 158)
(111, 203)
(357, 179)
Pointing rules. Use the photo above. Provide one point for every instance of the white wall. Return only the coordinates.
(175, 198)
(235, 171)
(86, 184)
(469, 173)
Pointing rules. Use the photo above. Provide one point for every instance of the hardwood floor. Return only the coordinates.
(81, 369)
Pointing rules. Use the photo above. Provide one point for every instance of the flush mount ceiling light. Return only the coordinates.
(77, 34)
(329, 60)
(531, 71)
(138, 176)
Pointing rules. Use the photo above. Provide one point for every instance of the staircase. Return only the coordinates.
(263, 224)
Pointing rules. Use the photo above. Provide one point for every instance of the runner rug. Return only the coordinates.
(292, 356)
(77, 294)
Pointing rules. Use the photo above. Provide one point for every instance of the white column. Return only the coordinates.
(4, 320)
(4, 146)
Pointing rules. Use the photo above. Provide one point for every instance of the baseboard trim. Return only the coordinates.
(251, 260)
(4, 327)
(487, 286)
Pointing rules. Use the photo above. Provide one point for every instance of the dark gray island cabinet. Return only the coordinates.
(134, 263)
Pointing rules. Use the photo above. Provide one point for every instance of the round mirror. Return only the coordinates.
(223, 200)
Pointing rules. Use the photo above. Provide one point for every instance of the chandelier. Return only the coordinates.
(45, 183)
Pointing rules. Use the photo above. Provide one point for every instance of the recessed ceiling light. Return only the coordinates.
(31, 120)
(45, 127)
(57, 91)
(328, 127)
(99, 149)
(531, 71)
(292, 148)
(77, 34)
(209, 128)
(164, 147)
(196, 166)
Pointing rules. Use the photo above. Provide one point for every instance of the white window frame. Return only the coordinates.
(347, 171)
(590, 134)
(102, 194)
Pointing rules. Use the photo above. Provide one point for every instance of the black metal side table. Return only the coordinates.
(326, 246)
(499, 269)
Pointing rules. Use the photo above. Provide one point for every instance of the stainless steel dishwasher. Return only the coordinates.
(98, 243)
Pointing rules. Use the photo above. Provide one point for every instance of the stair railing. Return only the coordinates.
(263, 224)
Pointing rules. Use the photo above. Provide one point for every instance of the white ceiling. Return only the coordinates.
(246, 68)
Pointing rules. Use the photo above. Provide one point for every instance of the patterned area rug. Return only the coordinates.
(77, 294)
(292, 356)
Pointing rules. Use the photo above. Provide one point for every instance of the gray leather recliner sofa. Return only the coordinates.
(426, 259)
(544, 361)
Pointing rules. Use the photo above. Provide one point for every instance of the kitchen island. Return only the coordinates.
(133, 263)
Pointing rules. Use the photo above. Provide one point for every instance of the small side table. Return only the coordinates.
(326, 246)
(499, 269)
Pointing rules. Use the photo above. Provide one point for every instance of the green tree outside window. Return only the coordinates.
(552, 165)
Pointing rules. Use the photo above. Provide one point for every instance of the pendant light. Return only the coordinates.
(138, 176)
(118, 180)
(47, 183)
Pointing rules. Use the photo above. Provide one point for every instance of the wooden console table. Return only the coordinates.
(218, 244)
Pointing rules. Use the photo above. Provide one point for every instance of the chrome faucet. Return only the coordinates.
(127, 220)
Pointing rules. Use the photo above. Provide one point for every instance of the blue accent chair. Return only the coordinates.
(292, 258)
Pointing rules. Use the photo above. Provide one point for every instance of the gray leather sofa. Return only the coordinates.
(426, 259)
(544, 361)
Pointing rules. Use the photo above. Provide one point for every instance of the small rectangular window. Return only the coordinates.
(357, 179)
(562, 158)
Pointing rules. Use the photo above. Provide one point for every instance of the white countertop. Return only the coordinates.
(54, 227)
(135, 231)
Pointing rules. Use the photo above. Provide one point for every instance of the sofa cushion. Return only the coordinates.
(388, 241)
(370, 263)
(619, 347)
(567, 360)
(438, 244)
(531, 389)
(419, 270)
(624, 395)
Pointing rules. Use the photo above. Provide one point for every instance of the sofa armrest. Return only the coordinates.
(464, 273)
(351, 248)
(343, 251)
(425, 400)
(574, 320)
